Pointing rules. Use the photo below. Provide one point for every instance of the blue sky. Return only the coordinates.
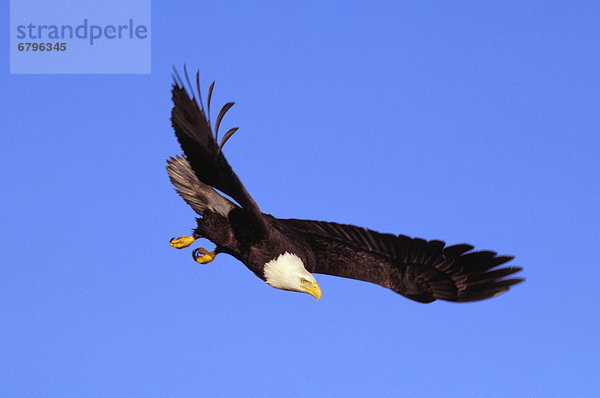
(470, 122)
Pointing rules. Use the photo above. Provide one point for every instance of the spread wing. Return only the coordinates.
(194, 133)
(418, 269)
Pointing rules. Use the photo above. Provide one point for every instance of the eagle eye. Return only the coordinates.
(304, 280)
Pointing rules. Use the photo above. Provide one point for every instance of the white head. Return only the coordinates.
(287, 272)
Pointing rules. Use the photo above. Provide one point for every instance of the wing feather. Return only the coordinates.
(416, 268)
(194, 134)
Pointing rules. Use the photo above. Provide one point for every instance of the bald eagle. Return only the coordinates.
(285, 253)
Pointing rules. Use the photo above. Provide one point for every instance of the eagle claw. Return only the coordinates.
(182, 241)
(204, 257)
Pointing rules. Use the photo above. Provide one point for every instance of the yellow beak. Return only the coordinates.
(314, 290)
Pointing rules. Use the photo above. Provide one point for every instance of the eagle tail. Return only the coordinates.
(195, 135)
(199, 196)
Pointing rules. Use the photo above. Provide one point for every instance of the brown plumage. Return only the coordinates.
(418, 269)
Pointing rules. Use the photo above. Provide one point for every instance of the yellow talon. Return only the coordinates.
(205, 257)
(182, 241)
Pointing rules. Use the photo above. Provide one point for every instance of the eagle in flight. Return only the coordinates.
(286, 253)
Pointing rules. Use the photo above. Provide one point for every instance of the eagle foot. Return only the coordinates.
(182, 241)
(204, 257)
